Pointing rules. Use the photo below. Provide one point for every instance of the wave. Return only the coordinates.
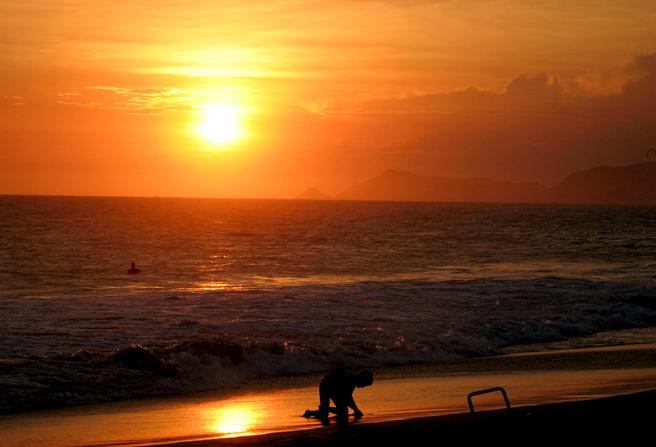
(197, 364)
(221, 340)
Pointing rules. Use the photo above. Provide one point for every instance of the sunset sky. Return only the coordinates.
(254, 98)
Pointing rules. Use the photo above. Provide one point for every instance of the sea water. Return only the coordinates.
(237, 290)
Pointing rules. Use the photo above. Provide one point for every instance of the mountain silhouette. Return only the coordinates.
(622, 185)
(625, 185)
(403, 186)
(313, 194)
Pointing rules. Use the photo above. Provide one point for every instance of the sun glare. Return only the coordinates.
(235, 419)
(221, 123)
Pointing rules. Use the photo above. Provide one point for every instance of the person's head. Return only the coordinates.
(364, 378)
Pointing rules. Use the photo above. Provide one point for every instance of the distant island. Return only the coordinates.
(621, 185)
(313, 194)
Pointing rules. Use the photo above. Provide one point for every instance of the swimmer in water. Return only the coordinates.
(134, 270)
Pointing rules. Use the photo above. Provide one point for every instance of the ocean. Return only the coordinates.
(232, 291)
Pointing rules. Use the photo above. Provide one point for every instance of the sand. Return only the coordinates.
(627, 419)
(403, 403)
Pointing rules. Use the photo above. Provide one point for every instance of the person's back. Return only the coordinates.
(339, 385)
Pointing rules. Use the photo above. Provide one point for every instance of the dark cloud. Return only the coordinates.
(523, 94)
(527, 93)
(538, 86)
(640, 93)
(533, 129)
(643, 65)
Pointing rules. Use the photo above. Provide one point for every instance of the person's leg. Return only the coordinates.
(341, 407)
(324, 403)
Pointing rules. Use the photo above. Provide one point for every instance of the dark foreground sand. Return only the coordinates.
(625, 420)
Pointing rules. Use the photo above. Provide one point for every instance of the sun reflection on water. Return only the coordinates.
(212, 286)
(238, 419)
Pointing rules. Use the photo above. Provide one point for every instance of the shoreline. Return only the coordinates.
(399, 395)
(620, 356)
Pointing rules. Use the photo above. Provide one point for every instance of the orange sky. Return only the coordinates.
(105, 97)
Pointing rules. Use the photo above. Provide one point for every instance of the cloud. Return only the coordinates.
(524, 93)
(12, 100)
(147, 101)
(643, 65)
(539, 93)
(538, 86)
(639, 93)
(535, 128)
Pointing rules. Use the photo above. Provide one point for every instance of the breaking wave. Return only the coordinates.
(368, 325)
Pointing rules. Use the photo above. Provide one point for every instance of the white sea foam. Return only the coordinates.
(239, 290)
(219, 339)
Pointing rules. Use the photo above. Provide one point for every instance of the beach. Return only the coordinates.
(557, 387)
(623, 418)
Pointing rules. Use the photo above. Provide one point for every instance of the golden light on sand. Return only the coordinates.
(236, 419)
(221, 123)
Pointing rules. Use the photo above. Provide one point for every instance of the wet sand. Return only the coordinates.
(401, 402)
(627, 419)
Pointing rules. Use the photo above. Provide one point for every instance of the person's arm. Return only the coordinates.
(356, 410)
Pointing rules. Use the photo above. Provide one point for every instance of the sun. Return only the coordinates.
(221, 123)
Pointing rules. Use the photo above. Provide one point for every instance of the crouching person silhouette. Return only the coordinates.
(339, 388)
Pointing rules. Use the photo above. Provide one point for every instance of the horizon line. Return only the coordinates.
(329, 200)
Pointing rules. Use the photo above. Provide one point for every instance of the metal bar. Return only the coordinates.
(485, 391)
